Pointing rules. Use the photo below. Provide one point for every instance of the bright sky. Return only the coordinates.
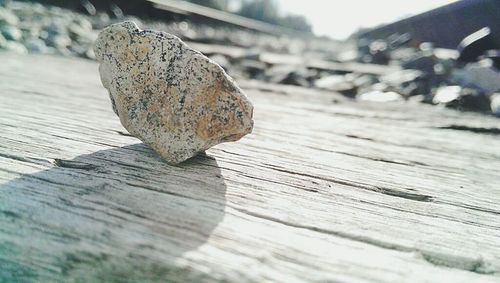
(339, 18)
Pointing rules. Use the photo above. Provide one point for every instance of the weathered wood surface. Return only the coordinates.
(324, 190)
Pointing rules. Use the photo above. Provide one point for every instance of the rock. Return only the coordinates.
(59, 41)
(57, 35)
(478, 75)
(36, 45)
(11, 33)
(81, 31)
(3, 41)
(7, 17)
(403, 54)
(57, 26)
(364, 80)
(411, 89)
(407, 82)
(472, 100)
(288, 74)
(380, 96)
(168, 95)
(347, 88)
(348, 55)
(494, 56)
(446, 94)
(426, 47)
(401, 77)
(419, 98)
(464, 99)
(33, 31)
(329, 82)
(100, 20)
(16, 47)
(399, 40)
(363, 50)
(338, 83)
(255, 69)
(380, 87)
(250, 54)
(444, 54)
(495, 104)
(89, 54)
(379, 52)
(422, 62)
(80, 50)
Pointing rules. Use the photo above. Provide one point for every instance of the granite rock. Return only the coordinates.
(168, 95)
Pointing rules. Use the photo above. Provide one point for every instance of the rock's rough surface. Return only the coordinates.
(168, 95)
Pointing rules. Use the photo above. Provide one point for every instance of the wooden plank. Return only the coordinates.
(324, 190)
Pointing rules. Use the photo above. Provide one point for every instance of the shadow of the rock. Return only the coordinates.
(116, 215)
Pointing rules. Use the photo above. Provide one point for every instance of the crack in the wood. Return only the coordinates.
(478, 130)
(379, 141)
(386, 191)
(471, 207)
(382, 190)
(74, 164)
(78, 140)
(414, 146)
(14, 157)
(476, 265)
(359, 138)
(391, 192)
(153, 189)
(267, 180)
(409, 163)
(124, 134)
(354, 115)
(24, 159)
(449, 218)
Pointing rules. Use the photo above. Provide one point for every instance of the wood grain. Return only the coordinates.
(324, 190)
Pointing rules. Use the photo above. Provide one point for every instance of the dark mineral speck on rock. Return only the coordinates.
(170, 96)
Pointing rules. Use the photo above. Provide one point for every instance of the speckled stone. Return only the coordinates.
(168, 95)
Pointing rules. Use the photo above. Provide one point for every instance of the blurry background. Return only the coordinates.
(442, 52)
